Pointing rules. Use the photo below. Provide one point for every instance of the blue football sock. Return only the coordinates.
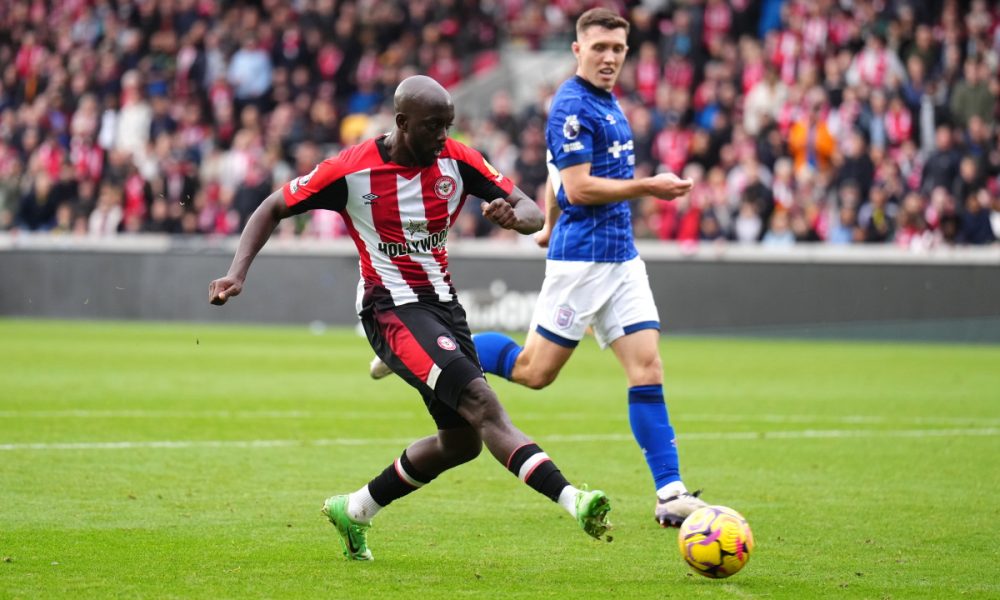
(647, 413)
(497, 352)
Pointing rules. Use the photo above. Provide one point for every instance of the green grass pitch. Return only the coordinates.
(191, 461)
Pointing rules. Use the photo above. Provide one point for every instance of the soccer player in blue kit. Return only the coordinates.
(594, 276)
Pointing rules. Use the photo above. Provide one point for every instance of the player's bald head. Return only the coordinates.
(419, 92)
(424, 113)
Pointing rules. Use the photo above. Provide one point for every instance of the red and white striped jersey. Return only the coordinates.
(398, 216)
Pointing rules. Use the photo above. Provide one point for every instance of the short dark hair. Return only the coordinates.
(600, 17)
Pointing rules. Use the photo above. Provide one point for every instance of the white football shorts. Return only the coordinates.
(613, 298)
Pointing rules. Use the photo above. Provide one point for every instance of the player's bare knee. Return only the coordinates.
(536, 376)
(646, 370)
(462, 452)
(467, 452)
(460, 445)
(653, 370)
(537, 380)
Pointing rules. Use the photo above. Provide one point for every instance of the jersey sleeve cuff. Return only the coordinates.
(572, 160)
(506, 185)
(287, 195)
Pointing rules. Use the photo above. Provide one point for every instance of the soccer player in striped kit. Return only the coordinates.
(399, 194)
(594, 275)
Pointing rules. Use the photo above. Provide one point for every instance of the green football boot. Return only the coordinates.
(353, 535)
(592, 512)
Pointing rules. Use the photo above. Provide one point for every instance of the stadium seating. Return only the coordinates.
(801, 122)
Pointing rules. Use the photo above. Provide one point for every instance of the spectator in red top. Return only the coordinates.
(716, 23)
(898, 123)
(647, 73)
(876, 66)
(672, 144)
(445, 69)
(678, 73)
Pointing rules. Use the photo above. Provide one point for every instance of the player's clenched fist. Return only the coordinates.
(669, 186)
(500, 212)
(543, 236)
(222, 289)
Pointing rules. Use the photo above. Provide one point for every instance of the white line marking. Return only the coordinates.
(204, 414)
(583, 438)
(376, 415)
(845, 433)
(846, 419)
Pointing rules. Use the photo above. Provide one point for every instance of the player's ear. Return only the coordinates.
(401, 121)
(576, 49)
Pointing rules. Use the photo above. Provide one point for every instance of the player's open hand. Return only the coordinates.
(500, 212)
(669, 186)
(223, 289)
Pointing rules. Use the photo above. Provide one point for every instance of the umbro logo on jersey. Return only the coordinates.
(370, 199)
(611, 119)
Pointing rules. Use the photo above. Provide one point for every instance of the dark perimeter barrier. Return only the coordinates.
(812, 291)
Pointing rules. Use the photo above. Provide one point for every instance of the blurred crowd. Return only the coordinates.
(839, 122)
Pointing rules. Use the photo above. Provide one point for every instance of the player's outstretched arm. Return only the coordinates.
(259, 228)
(517, 211)
(584, 189)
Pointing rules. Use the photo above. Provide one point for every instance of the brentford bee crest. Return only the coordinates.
(446, 343)
(444, 187)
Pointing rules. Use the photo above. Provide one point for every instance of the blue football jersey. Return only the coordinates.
(586, 125)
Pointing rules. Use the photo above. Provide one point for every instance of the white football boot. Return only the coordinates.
(671, 512)
(378, 369)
